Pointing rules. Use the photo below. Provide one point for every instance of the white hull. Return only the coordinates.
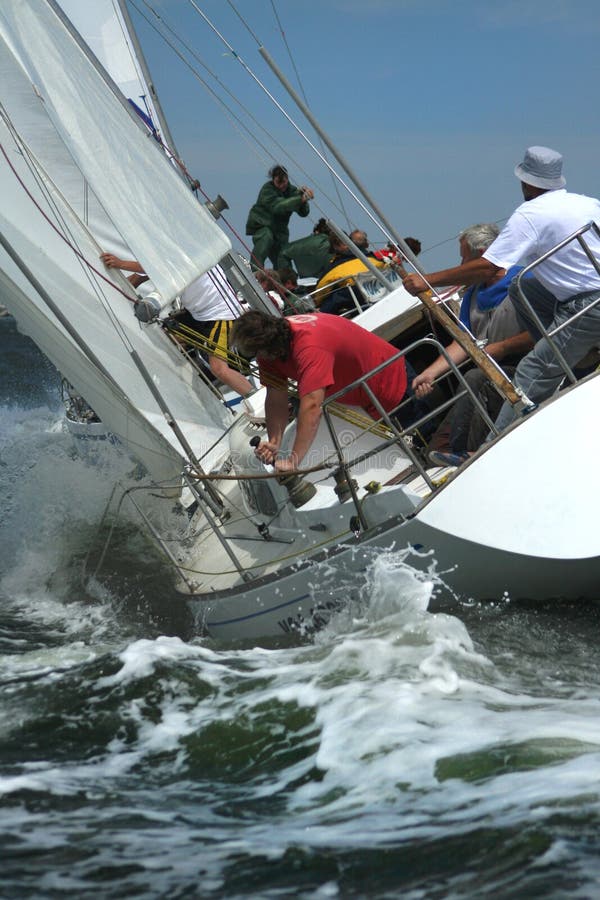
(393, 314)
(517, 521)
(289, 601)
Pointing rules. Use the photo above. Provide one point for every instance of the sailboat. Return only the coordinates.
(252, 556)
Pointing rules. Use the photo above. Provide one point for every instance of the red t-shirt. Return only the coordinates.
(331, 352)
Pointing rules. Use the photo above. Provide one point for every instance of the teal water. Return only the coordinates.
(402, 754)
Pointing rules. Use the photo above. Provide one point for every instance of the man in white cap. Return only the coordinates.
(563, 285)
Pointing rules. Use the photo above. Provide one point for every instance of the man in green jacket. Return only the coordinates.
(269, 217)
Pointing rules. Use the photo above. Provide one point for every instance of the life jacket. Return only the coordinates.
(344, 268)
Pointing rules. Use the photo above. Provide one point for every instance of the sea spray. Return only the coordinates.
(400, 751)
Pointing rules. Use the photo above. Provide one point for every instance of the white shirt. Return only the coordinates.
(210, 298)
(538, 225)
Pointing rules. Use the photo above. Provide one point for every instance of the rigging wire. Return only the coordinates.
(70, 241)
(249, 137)
(246, 133)
(455, 237)
(305, 98)
(191, 336)
(103, 298)
(228, 111)
(263, 87)
(135, 64)
(43, 185)
(289, 119)
(238, 125)
(162, 542)
(244, 22)
(194, 183)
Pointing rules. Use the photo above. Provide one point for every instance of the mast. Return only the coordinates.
(147, 76)
(56, 7)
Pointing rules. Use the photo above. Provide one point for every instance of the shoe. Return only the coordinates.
(448, 459)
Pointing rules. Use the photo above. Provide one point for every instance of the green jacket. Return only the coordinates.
(273, 209)
(308, 255)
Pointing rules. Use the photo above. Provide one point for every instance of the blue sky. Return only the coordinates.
(432, 102)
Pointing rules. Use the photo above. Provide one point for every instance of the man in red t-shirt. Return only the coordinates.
(323, 354)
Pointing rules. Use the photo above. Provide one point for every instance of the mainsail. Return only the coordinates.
(68, 142)
(106, 28)
(125, 169)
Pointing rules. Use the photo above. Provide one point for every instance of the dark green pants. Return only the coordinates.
(265, 245)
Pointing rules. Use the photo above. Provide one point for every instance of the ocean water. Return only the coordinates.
(402, 753)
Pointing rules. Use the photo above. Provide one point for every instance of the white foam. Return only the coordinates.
(402, 705)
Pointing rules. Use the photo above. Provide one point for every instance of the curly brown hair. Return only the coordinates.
(257, 334)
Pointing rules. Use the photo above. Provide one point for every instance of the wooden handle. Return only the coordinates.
(481, 359)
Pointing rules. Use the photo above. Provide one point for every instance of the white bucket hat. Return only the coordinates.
(541, 167)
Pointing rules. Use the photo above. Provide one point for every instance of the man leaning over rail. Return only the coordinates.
(323, 354)
(564, 285)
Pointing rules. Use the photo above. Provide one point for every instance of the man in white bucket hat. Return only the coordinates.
(563, 285)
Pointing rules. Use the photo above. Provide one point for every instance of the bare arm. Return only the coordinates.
(138, 275)
(276, 411)
(128, 265)
(423, 383)
(277, 415)
(474, 271)
(517, 345)
(309, 416)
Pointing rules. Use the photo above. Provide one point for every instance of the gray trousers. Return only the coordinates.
(468, 428)
(539, 373)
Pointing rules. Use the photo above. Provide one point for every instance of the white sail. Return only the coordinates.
(106, 31)
(165, 227)
(104, 320)
(29, 118)
(43, 217)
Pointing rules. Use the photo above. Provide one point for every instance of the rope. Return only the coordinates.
(69, 244)
(258, 476)
(345, 413)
